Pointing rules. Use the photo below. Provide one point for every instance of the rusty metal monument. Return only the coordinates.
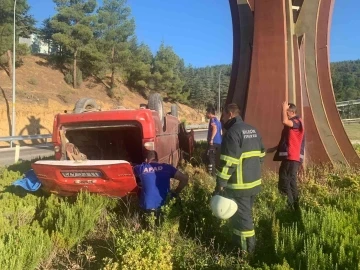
(281, 52)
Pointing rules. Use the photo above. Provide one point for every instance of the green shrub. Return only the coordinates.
(17, 207)
(22, 49)
(32, 81)
(24, 247)
(325, 234)
(328, 239)
(7, 177)
(199, 157)
(140, 249)
(192, 254)
(17, 212)
(69, 77)
(69, 223)
(115, 93)
(196, 218)
(357, 148)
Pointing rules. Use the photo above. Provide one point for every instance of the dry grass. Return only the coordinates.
(353, 131)
(41, 92)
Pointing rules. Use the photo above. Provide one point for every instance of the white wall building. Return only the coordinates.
(35, 44)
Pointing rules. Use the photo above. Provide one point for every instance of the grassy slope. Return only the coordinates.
(353, 131)
(96, 233)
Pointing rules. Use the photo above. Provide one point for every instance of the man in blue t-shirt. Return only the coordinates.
(214, 139)
(154, 180)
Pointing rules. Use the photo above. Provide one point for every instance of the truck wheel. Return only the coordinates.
(85, 104)
(156, 103)
(174, 110)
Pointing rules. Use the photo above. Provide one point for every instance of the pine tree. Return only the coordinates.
(166, 74)
(46, 32)
(24, 27)
(74, 25)
(115, 29)
(139, 69)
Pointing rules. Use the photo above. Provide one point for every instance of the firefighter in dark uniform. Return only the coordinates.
(239, 173)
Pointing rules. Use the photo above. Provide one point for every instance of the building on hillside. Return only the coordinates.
(37, 45)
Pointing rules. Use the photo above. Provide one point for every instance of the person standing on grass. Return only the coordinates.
(239, 174)
(290, 151)
(154, 181)
(214, 139)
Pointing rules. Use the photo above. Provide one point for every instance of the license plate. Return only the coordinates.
(81, 174)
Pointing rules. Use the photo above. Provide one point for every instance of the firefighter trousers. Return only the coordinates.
(243, 226)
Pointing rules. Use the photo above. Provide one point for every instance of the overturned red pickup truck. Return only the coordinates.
(95, 150)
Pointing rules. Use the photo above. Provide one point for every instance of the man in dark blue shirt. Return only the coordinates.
(214, 139)
(154, 181)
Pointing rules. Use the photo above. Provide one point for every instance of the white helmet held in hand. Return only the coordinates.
(222, 207)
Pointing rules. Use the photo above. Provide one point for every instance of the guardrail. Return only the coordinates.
(188, 127)
(349, 121)
(201, 126)
(347, 103)
(47, 136)
(205, 126)
(25, 138)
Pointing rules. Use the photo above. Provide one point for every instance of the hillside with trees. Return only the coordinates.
(87, 40)
(24, 27)
(90, 40)
(346, 80)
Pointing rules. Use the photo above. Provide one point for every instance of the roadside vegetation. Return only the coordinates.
(38, 231)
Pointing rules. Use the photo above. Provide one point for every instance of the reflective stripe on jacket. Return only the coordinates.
(242, 152)
(292, 142)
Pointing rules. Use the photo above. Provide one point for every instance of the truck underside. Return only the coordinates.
(96, 150)
(107, 142)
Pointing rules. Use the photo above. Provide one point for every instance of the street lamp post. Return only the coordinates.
(13, 81)
(219, 93)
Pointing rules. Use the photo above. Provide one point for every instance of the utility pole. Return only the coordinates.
(219, 110)
(13, 81)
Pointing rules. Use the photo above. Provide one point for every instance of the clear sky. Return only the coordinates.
(200, 31)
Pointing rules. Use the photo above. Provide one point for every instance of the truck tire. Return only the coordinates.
(85, 104)
(156, 103)
(174, 110)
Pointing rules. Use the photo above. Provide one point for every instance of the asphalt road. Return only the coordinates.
(7, 155)
(200, 135)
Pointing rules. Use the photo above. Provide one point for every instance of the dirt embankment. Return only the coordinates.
(41, 92)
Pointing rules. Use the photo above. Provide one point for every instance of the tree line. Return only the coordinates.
(346, 80)
(91, 40)
(24, 27)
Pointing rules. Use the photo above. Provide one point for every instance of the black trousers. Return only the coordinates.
(147, 214)
(213, 154)
(243, 225)
(288, 180)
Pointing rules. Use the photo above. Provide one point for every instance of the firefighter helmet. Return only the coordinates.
(222, 207)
